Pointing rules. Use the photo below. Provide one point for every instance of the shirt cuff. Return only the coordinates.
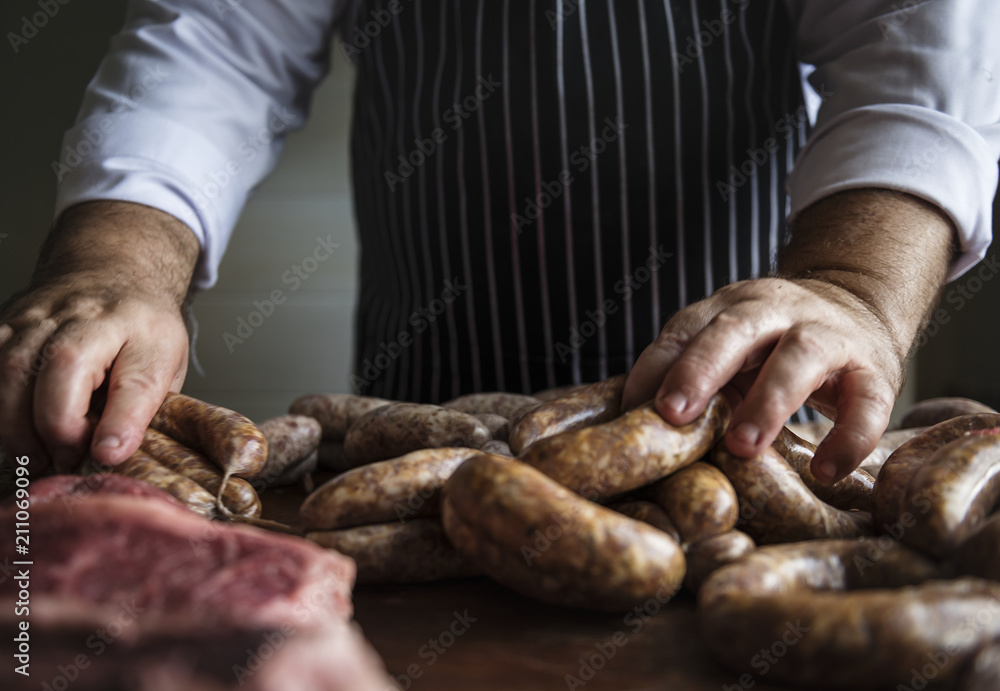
(114, 157)
(910, 149)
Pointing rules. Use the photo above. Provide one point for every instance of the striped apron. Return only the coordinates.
(540, 184)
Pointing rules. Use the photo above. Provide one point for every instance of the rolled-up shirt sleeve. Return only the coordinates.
(911, 102)
(188, 111)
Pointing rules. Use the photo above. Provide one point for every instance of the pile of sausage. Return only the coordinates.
(564, 497)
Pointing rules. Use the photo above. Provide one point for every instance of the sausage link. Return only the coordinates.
(498, 448)
(498, 425)
(414, 552)
(397, 429)
(813, 432)
(335, 412)
(700, 501)
(503, 404)
(934, 410)
(238, 496)
(776, 506)
(852, 492)
(536, 537)
(887, 443)
(630, 451)
(956, 488)
(891, 619)
(393, 490)
(593, 405)
(979, 556)
(707, 556)
(142, 466)
(648, 512)
(226, 438)
(891, 512)
(291, 439)
(546, 395)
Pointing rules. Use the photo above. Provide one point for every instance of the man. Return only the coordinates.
(578, 170)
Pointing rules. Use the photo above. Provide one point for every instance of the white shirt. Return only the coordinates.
(188, 111)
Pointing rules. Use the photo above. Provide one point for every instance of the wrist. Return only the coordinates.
(126, 248)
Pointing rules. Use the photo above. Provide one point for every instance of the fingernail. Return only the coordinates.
(828, 470)
(676, 402)
(109, 442)
(748, 433)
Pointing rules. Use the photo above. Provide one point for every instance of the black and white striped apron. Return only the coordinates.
(540, 184)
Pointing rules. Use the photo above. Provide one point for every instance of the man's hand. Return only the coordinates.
(833, 329)
(103, 308)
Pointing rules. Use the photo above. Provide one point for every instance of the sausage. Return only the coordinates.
(934, 410)
(648, 512)
(498, 425)
(556, 392)
(331, 456)
(813, 432)
(538, 538)
(983, 672)
(291, 439)
(707, 556)
(776, 506)
(631, 451)
(889, 442)
(498, 448)
(142, 466)
(503, 404)
(851, 492)
(890, 513)
(700, 501)
(299, 472)
(593, 405)
(955, 490)
(397, 429)
(393, 490)
(238, 496)
(335, 412)
(226, 438)
(414, 552)
(978, 555)
(889, 622)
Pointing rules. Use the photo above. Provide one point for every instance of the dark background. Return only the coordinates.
(42, 86)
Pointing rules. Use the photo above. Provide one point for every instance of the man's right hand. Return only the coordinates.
(103, 308)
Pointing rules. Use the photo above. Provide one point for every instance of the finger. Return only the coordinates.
(78, 356)
(20, 361)
(655, 361)
(138, 383)
(799, 364)
(6, 331)
(735, 338)
(863, 417)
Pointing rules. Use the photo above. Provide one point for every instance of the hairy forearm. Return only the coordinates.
(133, 247)
(888, 249)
